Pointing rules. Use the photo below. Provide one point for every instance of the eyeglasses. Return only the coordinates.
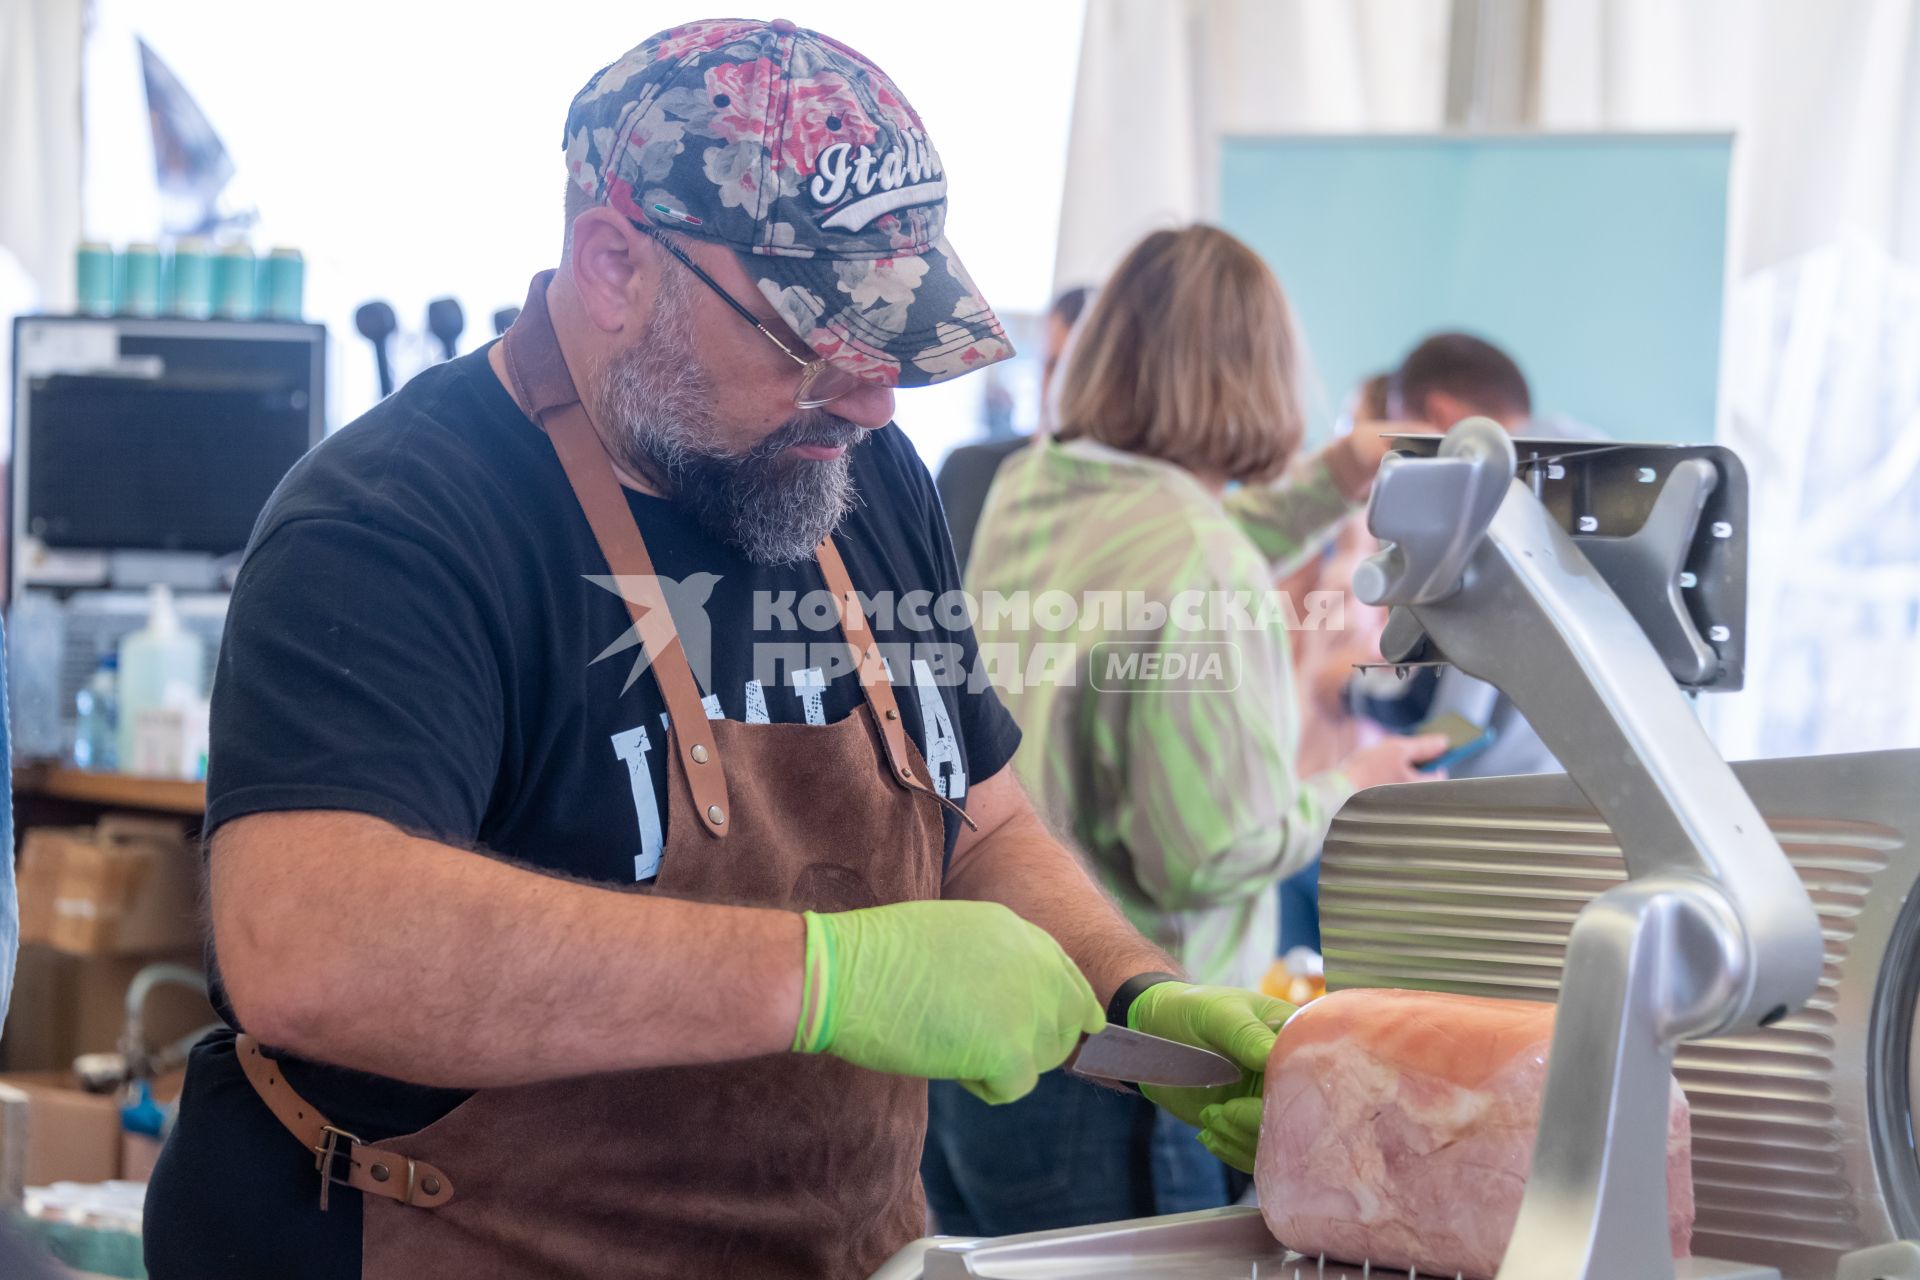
(820, 383)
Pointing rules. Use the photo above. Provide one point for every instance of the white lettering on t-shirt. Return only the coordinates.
(944, 760)
(811, 685)
(632, 747)
(943, 746)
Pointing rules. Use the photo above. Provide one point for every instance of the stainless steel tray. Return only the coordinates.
(1216, 1244)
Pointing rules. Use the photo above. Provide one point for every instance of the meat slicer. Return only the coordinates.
(1751, 929)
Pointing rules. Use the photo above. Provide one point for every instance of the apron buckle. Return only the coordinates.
(327, 1154)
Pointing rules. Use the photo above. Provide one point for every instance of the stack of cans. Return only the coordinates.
(191, 282)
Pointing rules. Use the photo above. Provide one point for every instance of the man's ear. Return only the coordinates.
(611, 266)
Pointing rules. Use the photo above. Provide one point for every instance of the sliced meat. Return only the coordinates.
(1398, 1129)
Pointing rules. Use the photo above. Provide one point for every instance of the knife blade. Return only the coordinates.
(1134, 1057)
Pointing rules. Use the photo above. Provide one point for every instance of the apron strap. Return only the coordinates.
(874, 684)
(540, 375)
(338, 1155)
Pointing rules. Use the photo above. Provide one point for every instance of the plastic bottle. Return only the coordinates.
(160, 659)
(96, 734)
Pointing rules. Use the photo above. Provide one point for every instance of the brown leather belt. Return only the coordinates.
(371, 1169)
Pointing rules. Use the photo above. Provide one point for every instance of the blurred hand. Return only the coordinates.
(1355, 457)
(1395, 760)
(1327, 685)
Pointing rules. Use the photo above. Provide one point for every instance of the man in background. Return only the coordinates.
(1452, 376)
(968, 472)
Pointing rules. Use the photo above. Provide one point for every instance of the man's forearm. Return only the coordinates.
(343, 939)
(1022, 866)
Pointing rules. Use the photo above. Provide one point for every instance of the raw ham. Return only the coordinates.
(1398, 1128)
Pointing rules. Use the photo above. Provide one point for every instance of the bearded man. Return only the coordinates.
(594, 884)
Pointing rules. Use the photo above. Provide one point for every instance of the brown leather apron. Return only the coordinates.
(773, 1168)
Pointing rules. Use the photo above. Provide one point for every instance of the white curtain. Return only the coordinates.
(1825, 99)
(1822, 400)
(1820, 375)
(1162, 81)
(40, 141)
(40, 167)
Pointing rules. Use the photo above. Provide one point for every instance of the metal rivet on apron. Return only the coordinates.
(906, 771)
(892, 714)
(699, 754)
(430, 1185)
(714, 815)
(379, 1172)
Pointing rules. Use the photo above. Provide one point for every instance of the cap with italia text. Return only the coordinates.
(804, 158)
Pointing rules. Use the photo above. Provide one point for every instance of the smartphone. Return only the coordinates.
(1465, 739)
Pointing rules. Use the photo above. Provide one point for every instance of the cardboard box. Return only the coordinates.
(64, 1006)
(50, 1131)
(128, 886)
(37, 876)
(53, 1131)
(138, 1154)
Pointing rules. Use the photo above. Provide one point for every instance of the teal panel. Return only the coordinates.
(1596, 260)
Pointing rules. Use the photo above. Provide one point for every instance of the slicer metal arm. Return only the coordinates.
(1528, 613)
(1714, 931)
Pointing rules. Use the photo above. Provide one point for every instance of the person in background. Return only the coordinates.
(1183, 796)
(1451, 376)
(1324, 659)
(1446, 378)
(968, 472)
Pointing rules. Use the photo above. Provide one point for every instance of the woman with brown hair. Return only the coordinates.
(1160, 720)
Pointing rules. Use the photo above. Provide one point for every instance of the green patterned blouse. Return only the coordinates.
(1159, 718)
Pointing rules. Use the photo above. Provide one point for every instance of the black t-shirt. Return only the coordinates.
(417, 634)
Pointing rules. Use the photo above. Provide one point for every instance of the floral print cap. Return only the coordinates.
(804, 158)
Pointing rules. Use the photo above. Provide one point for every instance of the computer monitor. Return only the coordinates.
(144, 449)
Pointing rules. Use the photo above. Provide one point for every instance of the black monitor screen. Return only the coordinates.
(119, 462)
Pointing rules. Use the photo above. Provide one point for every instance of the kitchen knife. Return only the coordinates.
(1134, 1057)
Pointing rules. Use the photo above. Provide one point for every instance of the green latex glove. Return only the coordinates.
(964, 991)
(1241, 1025)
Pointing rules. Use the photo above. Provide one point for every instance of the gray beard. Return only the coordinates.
(653, 401)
